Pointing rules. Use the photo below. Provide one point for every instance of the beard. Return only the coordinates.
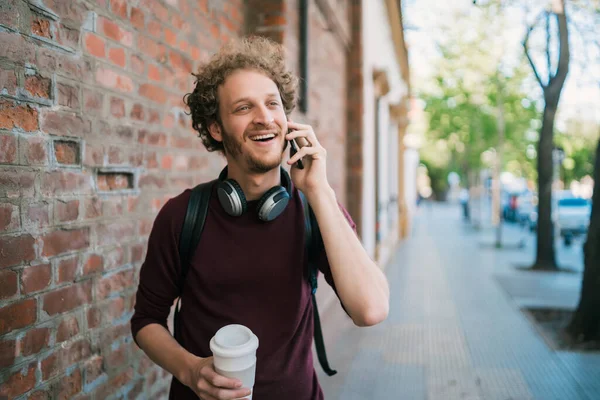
(233, 148)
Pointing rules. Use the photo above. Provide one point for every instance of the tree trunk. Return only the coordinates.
(586, 321)
(545, 255)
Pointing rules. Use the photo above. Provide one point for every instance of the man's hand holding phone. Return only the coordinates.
(305, 147)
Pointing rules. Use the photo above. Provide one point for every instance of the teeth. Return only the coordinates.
(261, 137)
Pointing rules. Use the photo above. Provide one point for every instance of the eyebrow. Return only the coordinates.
(248, 98)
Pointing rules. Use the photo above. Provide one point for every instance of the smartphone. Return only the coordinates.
(293, 150)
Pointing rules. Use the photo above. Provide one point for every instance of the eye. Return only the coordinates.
(243, 108)
(274, 103)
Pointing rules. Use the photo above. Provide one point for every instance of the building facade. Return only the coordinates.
(94, 139)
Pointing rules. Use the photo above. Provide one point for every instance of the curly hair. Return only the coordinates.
(256, 53)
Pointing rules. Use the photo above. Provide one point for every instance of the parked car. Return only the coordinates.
(526, 204)
(572, 217)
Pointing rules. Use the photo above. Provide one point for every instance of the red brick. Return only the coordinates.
(119, 8)
(65, 182)
(37, 215)
(67, 36)
(65, 357)
(152, 181)
(36, 278)
(41, 27)
(179, 61)
(117, 56)
(66, 210)
(18, 315)
(94, 318)
(151, 48)
(8, 149)
(9, 217)
(16, 49)
(113, 31)
(18, 116)
(115, 383)
(117, 107)
(34, 150)
(170, 37)
(115, 233)
(16, 250)
(21, 381)
(34, 341)
(93, 206)
(67, 269)
(137, 18)
(137, 252)
(66, 152)
(156, 8)
(167, 162)
(116, 155)
(137, 112)
(38, 86)
(61, 241)
(95, 45)
(94, 155)
(114, 80)
(40, 395)
(138, 66)
(116, 358)
(8, 285)
(68, 328)
(68, 298)
(93, 368)
(114, 258)
(154, 28)
(113, 206)
(8, 81)
(153, 93)
(65, 124)
(93, 102)
(7, 353)
(154, 73)
(113, 181)
(93, 264)
(68, 95)
(68, 386)
(114, 283)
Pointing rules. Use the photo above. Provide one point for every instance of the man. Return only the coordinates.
(245, 270)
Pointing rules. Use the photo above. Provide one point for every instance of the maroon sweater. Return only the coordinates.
(244, 271)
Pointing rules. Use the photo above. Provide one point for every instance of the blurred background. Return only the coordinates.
(462, 138)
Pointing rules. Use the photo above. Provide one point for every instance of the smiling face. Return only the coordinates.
(253, 121)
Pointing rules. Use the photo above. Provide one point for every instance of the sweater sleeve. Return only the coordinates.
(158, 281)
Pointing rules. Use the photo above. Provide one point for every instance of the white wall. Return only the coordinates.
(379, 54)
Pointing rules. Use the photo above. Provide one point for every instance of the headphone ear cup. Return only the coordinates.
(272, 203)
(232, 198)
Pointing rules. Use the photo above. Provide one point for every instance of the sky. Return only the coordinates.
(426, 22)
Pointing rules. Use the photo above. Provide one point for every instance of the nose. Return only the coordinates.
(263, 116)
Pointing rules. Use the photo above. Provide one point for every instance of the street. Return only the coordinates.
(455, 329)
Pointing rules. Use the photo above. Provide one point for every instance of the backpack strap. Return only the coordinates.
(193, 225)
(314, 245)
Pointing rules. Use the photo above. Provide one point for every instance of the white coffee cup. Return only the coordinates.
(234, 351)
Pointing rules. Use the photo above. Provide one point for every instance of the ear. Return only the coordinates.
(215, 131)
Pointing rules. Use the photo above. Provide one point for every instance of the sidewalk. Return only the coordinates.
(455, 330)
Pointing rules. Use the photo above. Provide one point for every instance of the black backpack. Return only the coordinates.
(190, 236)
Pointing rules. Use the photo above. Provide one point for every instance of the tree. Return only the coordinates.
(585, 324)
(545, 252)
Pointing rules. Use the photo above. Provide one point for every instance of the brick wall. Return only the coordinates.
(93, 141)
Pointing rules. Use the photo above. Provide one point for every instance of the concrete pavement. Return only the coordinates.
(455, 330)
